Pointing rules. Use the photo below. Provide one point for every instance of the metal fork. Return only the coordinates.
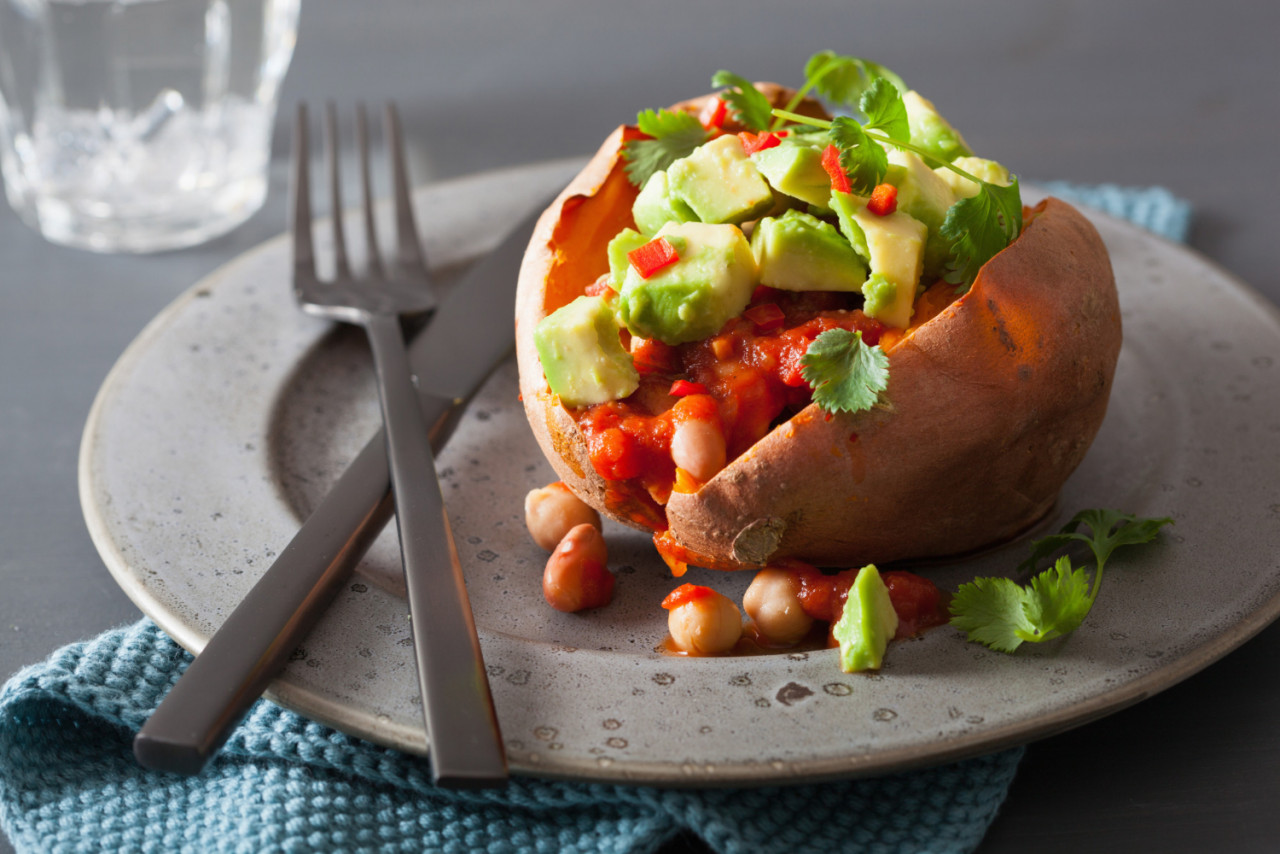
(464, 741)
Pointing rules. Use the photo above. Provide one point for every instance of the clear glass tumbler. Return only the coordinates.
(139, 125)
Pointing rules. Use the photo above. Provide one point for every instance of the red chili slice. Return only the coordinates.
(652, 257)
(831, 162)
(751, 142)
(884, 200)
(714, 113)
(682, 388)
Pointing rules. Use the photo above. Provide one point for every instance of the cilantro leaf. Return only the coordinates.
(843, 79)
(1003, 615)
(990, 611)
(674, 133)
(1109, 529)
(1057, 600)
(846, 375)
(883, 107)
(978, 227)
(862, 158)
(745, 101)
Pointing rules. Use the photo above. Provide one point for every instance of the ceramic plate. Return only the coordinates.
(230, 415)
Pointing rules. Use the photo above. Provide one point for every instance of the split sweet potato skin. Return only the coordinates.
(990, 405)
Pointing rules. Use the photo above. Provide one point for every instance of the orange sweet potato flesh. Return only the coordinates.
(990, 405)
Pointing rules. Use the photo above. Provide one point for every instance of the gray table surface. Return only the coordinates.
(1169, 92)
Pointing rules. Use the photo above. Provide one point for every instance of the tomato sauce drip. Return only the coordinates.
(917, 601)
(751, 370)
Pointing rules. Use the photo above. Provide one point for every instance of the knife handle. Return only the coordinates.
(198, 714)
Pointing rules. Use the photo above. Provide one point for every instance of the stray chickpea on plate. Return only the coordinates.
(781, 340)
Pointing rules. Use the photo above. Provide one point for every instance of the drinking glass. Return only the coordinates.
(139, 125)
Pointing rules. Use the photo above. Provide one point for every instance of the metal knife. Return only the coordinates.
(471, 332)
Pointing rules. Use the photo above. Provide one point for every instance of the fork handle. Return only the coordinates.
(455, 691)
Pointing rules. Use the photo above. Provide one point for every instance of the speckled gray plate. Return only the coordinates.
(227, 419)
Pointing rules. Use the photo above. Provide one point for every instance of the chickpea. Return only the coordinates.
(706, 624)
(698, 447)
(577, 576)
(772, 601)
(551, 511)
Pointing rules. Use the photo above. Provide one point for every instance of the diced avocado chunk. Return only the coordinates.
(924, 195)
(896, 245)
(794, 168)
(627, 240)
(689, 300)
(656, 206)
(867, 624)
(985, 170)
(845, 204)
(582, 355)
(879, 295)
(719, 182)
(799, 252)
(931, 131)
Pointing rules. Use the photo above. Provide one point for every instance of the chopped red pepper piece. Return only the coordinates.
(685, 593)
(599, 287)
(884, 200)
(751, 142)
(714, 113)
(766, 316)
(831, 162)
(681, 388)
(652, 257)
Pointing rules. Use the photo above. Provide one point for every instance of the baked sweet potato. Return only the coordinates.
(990, 405)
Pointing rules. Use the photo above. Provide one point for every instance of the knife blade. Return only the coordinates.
(471, 331)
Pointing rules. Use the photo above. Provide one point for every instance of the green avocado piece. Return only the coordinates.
(931, 131)
(689, 300)
(582, 355)
(844, 205)
(794, 168)
(924, 195)
(896, 245)
(656, 206)
(627, 240)
(719, 182)
(867, 624)
(879, 294)
(985, 170)
(799, 252)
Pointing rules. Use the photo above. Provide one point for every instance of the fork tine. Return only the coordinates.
(409, 252)
(366, 192)
(304, 256)
(341, 268)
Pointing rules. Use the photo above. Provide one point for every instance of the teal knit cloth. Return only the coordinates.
(68, 780)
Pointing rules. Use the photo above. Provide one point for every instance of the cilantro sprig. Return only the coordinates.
(978, 227)
(747, 103)
(842, 80)
(845, 373)
(673, 134)
(1003, 614)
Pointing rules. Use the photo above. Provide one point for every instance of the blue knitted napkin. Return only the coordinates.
(68, 780)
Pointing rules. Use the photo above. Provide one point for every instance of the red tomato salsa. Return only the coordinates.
(745, 378)
(917, 600)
